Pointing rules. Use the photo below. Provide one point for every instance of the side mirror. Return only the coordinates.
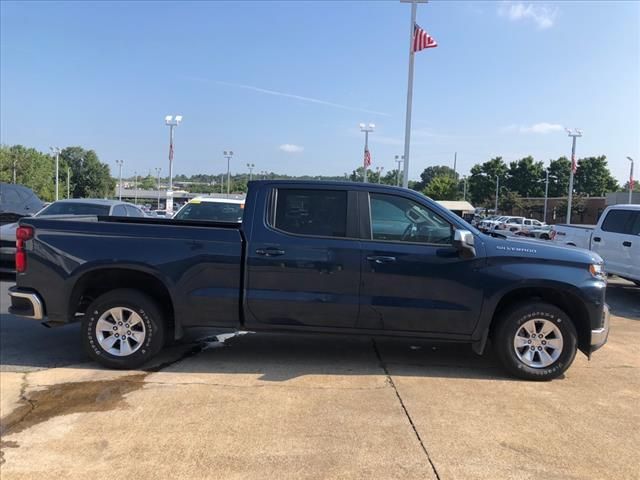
(464, 242)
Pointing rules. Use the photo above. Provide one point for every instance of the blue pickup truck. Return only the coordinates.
(323, 257)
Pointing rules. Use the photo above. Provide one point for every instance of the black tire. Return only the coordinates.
(508, 327)
(141, 304)
(544, 236)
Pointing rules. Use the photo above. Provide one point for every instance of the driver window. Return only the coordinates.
(399, 219)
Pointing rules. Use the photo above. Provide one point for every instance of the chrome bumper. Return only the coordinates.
(36, 312)
(599, 336)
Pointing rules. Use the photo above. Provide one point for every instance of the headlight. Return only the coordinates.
(597, 270)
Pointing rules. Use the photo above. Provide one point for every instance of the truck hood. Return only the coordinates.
(534, 249)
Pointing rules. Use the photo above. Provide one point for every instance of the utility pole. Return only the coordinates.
(250, 166)
(171, 121)
(56, 151)
(158, 174)
(546, 193)
(399, 160)
(135, 188)
(379, 172)
(68, 182)
(15, 164)
(464, 188)
(455, 161)
(575, 133)
(228, 155)
(120, 163)
(497, 192)
(630, 180)
(367, 155)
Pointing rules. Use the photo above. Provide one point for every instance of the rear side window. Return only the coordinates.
(133, 211)
(119, 211)
(10, 196)
(635, 223)
(618, 221)
(312, 212)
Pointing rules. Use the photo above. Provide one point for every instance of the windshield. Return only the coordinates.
(74, 208)
(212, 211)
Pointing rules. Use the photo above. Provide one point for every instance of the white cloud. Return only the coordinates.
(542, 15)
(290, 148)
(542, 127)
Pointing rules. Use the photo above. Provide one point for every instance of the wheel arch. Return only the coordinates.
(563, 298)
(97, 281)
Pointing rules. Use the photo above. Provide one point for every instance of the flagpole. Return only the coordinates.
(407, 128)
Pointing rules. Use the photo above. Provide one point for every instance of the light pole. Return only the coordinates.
(464, 188)
(399, 160)
(120, 163)
(68, 182)
(379, 172)
(135, 188)
(228, 155)
(56, 151)
(546, 193)
(497, 192)
(575, 133)
(250, 166)
(172, 121)
(367, 156)
(630, 180)
(158, 169)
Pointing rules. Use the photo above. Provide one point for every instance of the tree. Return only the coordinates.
(482, 181)
(442, 187)
(148, 183)
(34, 169)
(593, 177)
(526, 177)
(89, 176)
(560, 169)
(430, 173)
(509, 201)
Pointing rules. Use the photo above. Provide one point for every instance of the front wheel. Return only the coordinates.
(536, 341)
(123, 329)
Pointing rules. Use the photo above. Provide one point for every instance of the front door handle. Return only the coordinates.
(381, 259)
(596, 239)
(270, 252)
(626, 244)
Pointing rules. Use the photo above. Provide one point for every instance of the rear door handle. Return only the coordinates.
(381, 259)
(626, 244)
(270, 252)
(596, 239)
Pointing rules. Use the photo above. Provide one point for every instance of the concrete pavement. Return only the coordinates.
(276, 406)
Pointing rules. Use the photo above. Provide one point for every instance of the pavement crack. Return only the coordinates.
(404, 407)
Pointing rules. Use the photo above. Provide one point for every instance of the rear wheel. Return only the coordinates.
(536, 341)
(123, 329)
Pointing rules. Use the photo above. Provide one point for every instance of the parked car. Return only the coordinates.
(17, 201)
(61, 209)
(213, 209)
(313, 257)
(616, 238)
(542, 232)
(488, 223)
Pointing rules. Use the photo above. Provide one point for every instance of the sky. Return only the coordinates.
(286, 84)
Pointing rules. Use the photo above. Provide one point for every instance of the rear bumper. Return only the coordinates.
(600, 335)
(26, 304)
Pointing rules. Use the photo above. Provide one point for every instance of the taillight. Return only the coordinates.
(22, 235)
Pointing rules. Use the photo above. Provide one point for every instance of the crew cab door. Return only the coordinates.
(303, 259)
(617, 241)
(413, 279)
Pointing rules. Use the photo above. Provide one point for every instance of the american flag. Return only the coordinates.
(422, 39)
(171, 151)
(574, 165)
(367, 158)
